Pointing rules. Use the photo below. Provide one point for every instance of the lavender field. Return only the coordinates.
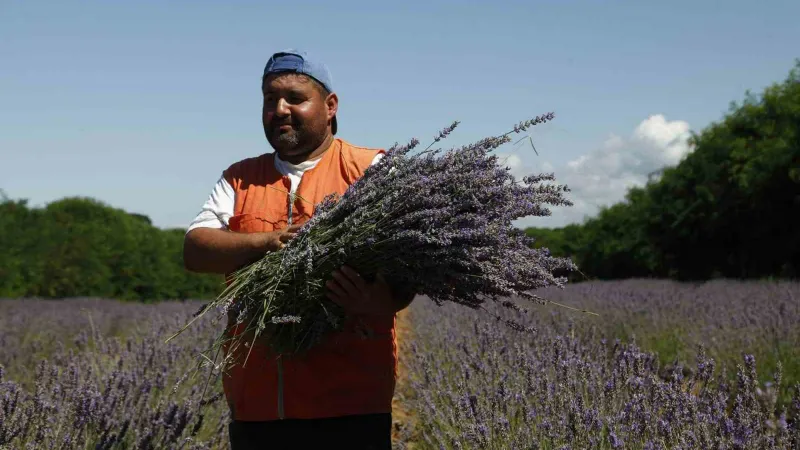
(97, 373)
(572, 385)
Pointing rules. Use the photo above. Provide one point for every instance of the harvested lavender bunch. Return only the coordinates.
(437, 222)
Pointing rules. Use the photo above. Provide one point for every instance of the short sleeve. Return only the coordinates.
(217, 209)
(376, 159)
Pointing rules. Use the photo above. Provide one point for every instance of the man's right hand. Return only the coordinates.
(272, 241)
(209, 250)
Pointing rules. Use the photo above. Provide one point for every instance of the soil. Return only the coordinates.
(403, 417)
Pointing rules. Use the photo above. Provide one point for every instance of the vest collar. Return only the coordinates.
(285, 167)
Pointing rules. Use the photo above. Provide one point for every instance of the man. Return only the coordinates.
(339, 394)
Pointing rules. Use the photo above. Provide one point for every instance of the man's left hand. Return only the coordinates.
(359, 297)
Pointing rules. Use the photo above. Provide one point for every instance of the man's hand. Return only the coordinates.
(358, 297)
(209, 250)
(272, 241)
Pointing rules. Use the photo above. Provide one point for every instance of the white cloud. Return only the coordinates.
(602, 176)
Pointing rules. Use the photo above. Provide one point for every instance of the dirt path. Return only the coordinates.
(403, 429)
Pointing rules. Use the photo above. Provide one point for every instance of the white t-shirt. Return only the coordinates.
(218, 208)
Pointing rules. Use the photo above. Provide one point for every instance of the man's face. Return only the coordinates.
(296, 114)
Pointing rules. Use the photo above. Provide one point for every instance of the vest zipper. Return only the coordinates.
(281, 414)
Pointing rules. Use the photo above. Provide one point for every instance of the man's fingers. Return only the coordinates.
(286, 237)
(334, 297)
(294, 228)
(346, 283)
(355, 278)
(336, 288)
(350, 304)
(345, 302)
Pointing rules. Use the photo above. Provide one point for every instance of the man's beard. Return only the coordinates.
(300, 140)
(286, 142)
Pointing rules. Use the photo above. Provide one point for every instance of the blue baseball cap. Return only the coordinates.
(298, 61)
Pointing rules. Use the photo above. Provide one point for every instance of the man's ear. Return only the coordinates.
(332, 102)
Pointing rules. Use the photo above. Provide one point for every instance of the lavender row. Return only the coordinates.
(731, 318)
(571, 385)
(97, 374)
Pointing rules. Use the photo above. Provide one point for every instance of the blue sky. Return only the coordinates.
(142, 104)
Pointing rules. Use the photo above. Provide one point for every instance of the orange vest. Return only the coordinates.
(351, 371)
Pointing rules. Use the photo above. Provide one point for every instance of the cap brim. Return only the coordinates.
(334, 125)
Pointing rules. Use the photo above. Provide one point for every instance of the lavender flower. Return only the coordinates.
(445, 132)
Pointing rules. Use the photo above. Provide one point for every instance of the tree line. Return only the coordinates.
(80, 247)
(730, 208)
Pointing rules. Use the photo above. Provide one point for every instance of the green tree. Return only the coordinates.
(730, 208)
(82, 247)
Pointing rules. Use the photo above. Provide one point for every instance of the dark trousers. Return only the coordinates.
(363, 432)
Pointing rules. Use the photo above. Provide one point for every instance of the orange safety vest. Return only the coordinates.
(351, 371)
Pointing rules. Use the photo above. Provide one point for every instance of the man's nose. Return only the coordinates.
(282, 108)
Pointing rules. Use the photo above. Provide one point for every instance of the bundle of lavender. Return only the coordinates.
(438, 222)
